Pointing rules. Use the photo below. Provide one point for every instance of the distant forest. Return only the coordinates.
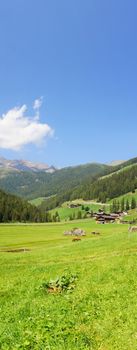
(14, 209)
(66, 184)
(101, 190)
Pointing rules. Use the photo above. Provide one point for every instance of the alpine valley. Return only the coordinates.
(93, 181)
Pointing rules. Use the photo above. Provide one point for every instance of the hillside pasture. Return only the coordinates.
(37, 201)
(99, 313)
(65, 212)
(132, 216)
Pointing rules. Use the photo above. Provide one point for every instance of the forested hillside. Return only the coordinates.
(90, 181)
(102, 189)
(15, 209)
(32, 185)
(112, 186)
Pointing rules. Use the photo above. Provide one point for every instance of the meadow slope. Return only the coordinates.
(101, 311)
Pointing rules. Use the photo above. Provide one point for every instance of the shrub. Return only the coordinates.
(65, 282)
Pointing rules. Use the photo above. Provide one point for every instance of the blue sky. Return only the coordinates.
(81, 58)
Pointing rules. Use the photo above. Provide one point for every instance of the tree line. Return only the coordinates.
(101, 190)
(14, 209)
(123, 204)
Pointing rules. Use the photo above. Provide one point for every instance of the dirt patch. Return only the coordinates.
(20, 250)
(95, 233)
(54, 290)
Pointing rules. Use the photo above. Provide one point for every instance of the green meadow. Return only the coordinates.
(64, 211)
(37, 201)
(99, 313)
(132, 215)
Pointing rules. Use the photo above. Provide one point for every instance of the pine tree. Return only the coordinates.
(127, 205)
(87, 208)
(122, 204)
(91, 213)
(118, 205)
(79, 215)
(74, 215)
(85, 215)
(133, 203)
(111, 208)
(114, 206)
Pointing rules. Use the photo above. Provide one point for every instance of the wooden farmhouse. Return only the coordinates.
(73, 205)
(104, 218)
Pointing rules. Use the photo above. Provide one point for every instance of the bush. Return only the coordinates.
(65, 282)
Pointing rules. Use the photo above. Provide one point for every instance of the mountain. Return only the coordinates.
(88, 181)
(116, 162)
(32, 184)
(24, 165)
(118, 181)
(113, 185)
(121, 180)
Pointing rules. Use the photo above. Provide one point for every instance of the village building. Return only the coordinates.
(73, 205)
(104, 218)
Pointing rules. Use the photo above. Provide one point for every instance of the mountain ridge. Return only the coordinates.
(88, 181)
(27, 165)
(31, 184)
(116, 162)
(24, 165)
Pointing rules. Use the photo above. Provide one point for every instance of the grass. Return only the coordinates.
(100, 313)
(37, 201)
(84, 202)
(132, 215)
(65, 212)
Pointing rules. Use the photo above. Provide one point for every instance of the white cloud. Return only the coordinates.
(17, 129)
(37, 103)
